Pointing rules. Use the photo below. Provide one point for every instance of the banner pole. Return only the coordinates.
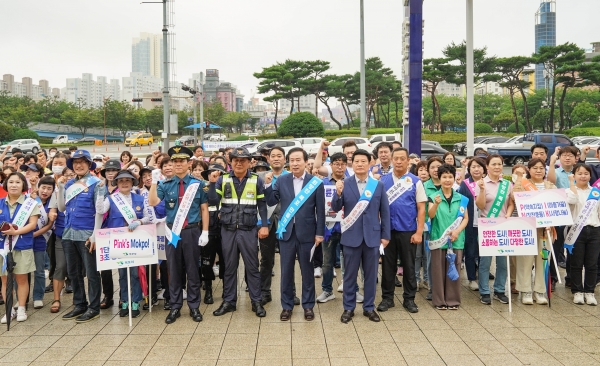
(507, 284)
(129, 295)
(551, 245)
(150, 289)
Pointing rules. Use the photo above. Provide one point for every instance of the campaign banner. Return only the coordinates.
(120, 248)
(549, 207)
(161, 241)
(216, 145)
(331, 216)
(512, 236)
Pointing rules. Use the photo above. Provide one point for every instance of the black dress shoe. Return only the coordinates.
(68, 288)
(409, 304)
(147, 305)
(372, 315)
(309, 314)
(347, 316)
(89, 315)
(385, 304)
(266, 299)
(492, 277)
(258, 309)
(224, 309)
(285, 315)
(173, 315)
(196, 315)
(74, 313)
(167, 305)
(296, 300)
(208, 297)
(397, 282)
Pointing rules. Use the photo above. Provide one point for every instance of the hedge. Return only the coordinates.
(593, 131)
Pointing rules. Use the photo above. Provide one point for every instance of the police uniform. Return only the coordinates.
(187, 252)
(239, 200)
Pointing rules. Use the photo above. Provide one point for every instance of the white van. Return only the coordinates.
(376, 139)
(61, 139)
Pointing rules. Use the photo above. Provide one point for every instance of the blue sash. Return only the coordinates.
(298, 201)
(361, 205)
(438, 243)
(590, 205)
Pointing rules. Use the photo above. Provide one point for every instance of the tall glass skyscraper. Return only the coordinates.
(146, 55)
(545, 35)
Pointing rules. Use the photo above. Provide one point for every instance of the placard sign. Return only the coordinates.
(119, 248)
(161, 241)
(512, 236)
(331, 216)
(549, 207)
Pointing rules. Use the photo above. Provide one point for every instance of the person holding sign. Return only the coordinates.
(431, 186)
(365, 232)
(126, 208)
(534, 182)
(494, 199)
(583, 238)
(77, 198)
(449, 216)
(21, 213)
(406, 197)
(187, 229)
(302, 198)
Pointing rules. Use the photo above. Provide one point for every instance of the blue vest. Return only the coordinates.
(39, 243)
(59, 224)
(116, 219)
(26, 240)
(81, 209)
(403, 211)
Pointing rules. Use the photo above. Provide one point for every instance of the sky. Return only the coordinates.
(55, 40)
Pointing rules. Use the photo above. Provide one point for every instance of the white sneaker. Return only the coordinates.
(334, 274)
(540, 298)
(590, 299)
(216, 271)
(184, 294)
(160, 295)
(318, 272)
(578, 298)
(13, 316)
(341, 287)
(359, 298)
(325, 296)
(526, 298)
(46, 273)
(419, 285)
(473, 285)
(38, 304)
(21, 315)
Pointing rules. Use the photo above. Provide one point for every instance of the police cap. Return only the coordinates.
(180, 152)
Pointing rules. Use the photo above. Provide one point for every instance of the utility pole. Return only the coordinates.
(105, 99)
(166, 106)
(195, 116)
(363, 108)
(470, 81)
(201, 86)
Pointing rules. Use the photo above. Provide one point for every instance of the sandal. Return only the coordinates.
(53, 308)
(453, 307)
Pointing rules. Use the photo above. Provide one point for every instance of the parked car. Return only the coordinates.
(361, 143)
(584, 140)
(186, 140)
(376, 139)
(26, 145)
(85, 139)
(140, 139)
(515, 141)
(310, 144)
(287, 145)
(431, 142)
(484, 144)
(218, 137)
(428, 150)
(460, 148)
(513, 156)
(61, 139)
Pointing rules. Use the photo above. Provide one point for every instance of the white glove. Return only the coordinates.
(156, 176)
(203, 239)
(381, 249)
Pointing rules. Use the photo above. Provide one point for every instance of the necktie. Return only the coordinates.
(181, 193)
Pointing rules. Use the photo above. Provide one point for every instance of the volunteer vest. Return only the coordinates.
(39, 243)
(59, 224)
(116, 219)
(81, 210)
(25, 240)
(239, 212)
(403, 211)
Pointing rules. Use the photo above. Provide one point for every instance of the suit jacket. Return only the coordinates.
(368, 227)
(310, 218)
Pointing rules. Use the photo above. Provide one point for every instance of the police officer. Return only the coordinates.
(183, 249)
(240, 193)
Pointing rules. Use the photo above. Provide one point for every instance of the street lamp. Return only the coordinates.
(193, 92)
(105, 99)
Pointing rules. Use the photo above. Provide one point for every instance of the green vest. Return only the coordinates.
(239, 212)
(444, 217)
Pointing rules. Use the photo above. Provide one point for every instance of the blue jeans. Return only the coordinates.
(136, 288)
(484, 275)
(79, 258)
(329, 257)
(471, 252)
(39, 281)
(422, 259)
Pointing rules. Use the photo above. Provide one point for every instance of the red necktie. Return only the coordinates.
(181, 193)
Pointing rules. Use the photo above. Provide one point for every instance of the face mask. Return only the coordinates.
(99, 165)
(57, 169)
(52, 154)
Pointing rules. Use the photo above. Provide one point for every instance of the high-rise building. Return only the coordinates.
(87, 92)
(25, 88)
(545, 35)
(146, 55)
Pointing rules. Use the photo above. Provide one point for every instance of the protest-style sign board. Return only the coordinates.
(549, 207)
(331, 216)
(506, 237)
(161, 241)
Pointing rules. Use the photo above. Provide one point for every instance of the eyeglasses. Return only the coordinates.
(338, 165)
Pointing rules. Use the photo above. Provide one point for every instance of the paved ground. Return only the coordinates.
(474, 335)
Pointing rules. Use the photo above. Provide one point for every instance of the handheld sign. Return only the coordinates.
(119, 248)
(549, 207)
(331, 216)
(504, 237)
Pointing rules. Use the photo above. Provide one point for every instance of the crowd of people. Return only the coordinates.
(417, 219)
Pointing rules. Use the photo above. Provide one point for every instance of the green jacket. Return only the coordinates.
(430, 189)
(444, 217)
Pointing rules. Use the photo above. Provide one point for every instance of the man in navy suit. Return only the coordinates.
(362, 232)
(302, 200)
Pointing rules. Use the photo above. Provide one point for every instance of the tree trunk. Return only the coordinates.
(439, 115)
(292, 109)
(324, 101)
(514, 109)
(316, 105)
(551, 129)
(561, 109)
(276, 110)
(526, 108)
(396, 106)
(387, 120)
(346, 113)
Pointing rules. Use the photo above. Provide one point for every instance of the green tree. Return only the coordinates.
(585, 112)
(272, 81)
(504, 119)
(86, 118)
(6, 131)
(154, 119)
(214, 112)
(435, 71)
(21, 116)
(483, 67)
(480, 128)
(512, 71)
(301, 124)
(453, 120)
(541, 118)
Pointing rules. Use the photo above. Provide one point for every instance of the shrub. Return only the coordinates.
(24, 134)
(590, 124)
(511, 128)
(301, 124)
(483, 128)
(54, 120)
(594, 131)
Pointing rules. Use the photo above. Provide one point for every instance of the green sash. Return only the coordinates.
(499, 200)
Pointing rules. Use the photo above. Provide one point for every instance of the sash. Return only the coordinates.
(471, 185)
(124, 207)
(81, 185)
(499, 200)
(20, 219)
(445, 238)
(528, 185)
(361, 205)
(182, 211)
(149, 210)
(596, 184)
(586, 211)
(398, 189)
(298, 201)
(43, 220)
(270, 210)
